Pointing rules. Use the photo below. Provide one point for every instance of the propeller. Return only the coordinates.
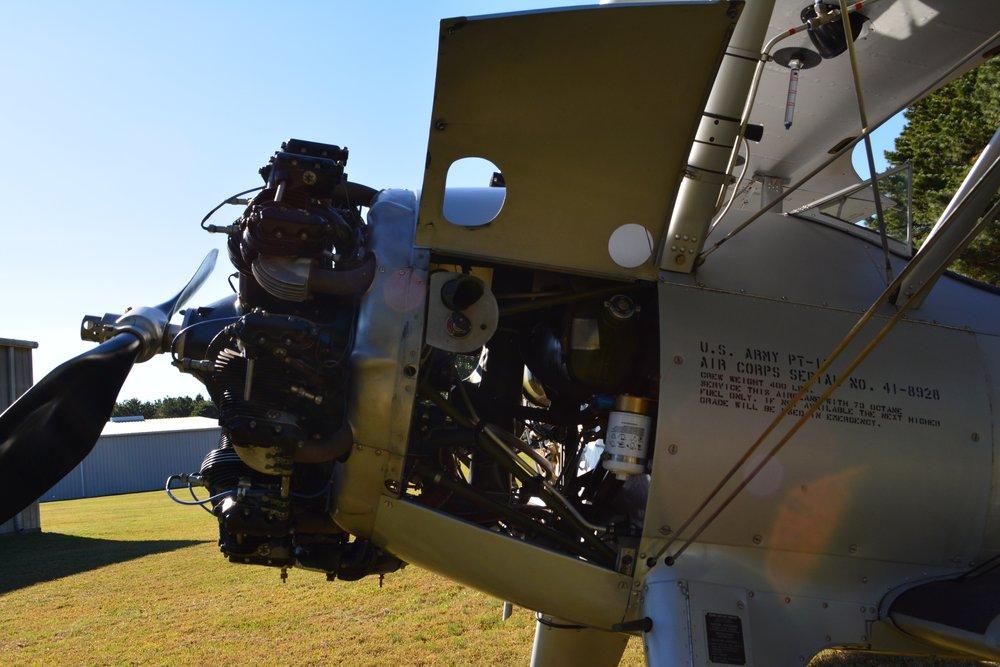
(54, 425)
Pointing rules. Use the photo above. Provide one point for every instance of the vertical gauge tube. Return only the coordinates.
(793, 91)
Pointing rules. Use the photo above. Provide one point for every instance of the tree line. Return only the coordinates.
(944, 134)
(171, 406)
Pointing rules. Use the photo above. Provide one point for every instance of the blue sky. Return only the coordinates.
(123, 123)
(882, 140)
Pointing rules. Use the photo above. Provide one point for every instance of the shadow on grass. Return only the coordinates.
(31, 558)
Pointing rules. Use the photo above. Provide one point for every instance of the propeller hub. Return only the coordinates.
(147, 324)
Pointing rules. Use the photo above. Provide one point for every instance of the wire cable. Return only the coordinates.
(210, 499)
(190, 488)
(226, 201)
(173, 341)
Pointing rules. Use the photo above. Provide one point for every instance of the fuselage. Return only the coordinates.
(894, 479)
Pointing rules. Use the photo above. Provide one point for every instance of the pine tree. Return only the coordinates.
(943, 137)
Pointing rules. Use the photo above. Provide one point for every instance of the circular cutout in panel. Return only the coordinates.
(469, 198)
(630, 245)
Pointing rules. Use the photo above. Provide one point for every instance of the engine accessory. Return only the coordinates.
(534, 390)
(265, 521)
(627, 440)
(585, 347)
(829, 38)
(463, 315)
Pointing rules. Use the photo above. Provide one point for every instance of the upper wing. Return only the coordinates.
(909, 44)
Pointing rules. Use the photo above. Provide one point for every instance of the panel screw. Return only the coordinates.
(757, 539)
(853, 548)
(672, 449)
(739, 604)
(975, 437)
(678, 359)
(439, 124)
(665, 530)
(392, 485)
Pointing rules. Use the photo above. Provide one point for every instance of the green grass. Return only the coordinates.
(137, 579)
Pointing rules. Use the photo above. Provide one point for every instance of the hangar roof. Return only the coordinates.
(168, 425)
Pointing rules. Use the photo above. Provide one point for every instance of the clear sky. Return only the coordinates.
(882, 140)
(122, 123)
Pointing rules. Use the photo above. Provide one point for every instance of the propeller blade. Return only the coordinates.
(170, 308)
(54, 425)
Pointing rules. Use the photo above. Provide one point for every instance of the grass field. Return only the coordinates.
(137, 579)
